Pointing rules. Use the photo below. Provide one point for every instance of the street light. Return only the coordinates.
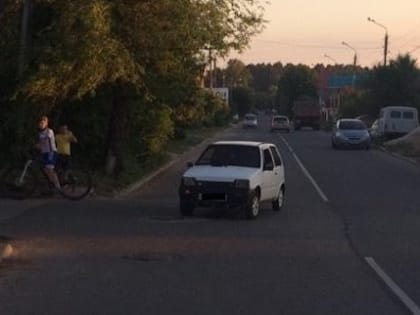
(385, 40)
(331, 58)
(355, 53)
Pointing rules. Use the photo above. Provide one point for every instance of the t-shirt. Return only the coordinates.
(47, 141)
(64, 143)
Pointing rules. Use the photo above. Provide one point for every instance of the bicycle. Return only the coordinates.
(22, 183)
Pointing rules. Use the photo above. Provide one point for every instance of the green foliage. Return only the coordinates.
(296, 81)
(237, 74)
(397, 84)
(122, 74)
(151, 128)
(354, 105)
(265, 76)
(243, 100)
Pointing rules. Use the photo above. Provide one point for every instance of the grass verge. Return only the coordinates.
(107, 186)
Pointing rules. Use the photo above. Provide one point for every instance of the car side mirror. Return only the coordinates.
(269, 166)
(190, 164)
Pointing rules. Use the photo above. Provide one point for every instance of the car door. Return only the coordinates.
(268, 177)
(278, 170)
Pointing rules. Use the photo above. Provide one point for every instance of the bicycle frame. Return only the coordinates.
(19, 181)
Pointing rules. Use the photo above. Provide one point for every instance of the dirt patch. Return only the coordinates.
(408, 146)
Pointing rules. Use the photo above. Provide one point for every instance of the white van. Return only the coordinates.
(397, 120)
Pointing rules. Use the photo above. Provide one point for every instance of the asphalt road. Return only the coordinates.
(136, 256)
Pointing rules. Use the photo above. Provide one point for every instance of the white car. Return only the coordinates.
(397, 121)
(280, 123)
(250, 121)
(237, 174)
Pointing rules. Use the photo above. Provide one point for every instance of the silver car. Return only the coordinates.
(351, 133)
(250, 121)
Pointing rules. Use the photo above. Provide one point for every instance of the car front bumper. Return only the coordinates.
(209, 194)
(352, 144)
(280, 127)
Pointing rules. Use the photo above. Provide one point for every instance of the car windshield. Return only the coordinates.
(250, 117)
(231, 155)
(280, 119)
(352, 125)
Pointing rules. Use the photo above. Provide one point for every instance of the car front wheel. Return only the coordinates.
(279, 201)
(252, 208)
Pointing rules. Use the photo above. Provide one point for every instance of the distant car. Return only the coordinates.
(280, 123)
(237, 174)
(250, 121)
(350, 133)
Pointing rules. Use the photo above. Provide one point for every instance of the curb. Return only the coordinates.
(176, 159)
(399, 156)
(6, 251)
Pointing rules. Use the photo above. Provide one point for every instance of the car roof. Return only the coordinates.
(244, 143)
(350, 120)
(250, 114)
(280, 116)
(399, 108)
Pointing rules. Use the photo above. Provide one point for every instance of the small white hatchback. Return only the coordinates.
(237, 174)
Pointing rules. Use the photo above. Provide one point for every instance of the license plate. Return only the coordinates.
(212, 197)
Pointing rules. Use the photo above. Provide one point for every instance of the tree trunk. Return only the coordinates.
(117, 132)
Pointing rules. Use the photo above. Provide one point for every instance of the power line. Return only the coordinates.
(311, 46)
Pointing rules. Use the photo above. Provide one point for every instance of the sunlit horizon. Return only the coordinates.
(302, 31)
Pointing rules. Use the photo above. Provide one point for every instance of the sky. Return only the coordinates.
(303, 31)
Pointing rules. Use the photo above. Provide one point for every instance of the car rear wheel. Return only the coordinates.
(252, 208)
(279, 201)
(186, 208)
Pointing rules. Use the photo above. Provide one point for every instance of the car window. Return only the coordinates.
(408, 115)
(395, 114)
(267, 157)
(280, 119)
(276, 156)
(352, 125)
(231, 155)
(250, 117)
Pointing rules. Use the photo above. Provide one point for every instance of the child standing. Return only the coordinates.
(64, 139)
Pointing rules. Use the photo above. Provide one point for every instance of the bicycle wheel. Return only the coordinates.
(75, 184)
(15, 184)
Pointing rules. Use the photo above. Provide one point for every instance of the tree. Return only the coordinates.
(295, 81)
(264, 76)
(237, 74)
(243, 100)
(131, 45)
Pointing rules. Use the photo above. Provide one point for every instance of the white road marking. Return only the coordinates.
(405, 299)
(305, 171)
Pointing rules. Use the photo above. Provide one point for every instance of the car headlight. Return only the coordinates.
(242, 184)
(189, 181)
(340, 135)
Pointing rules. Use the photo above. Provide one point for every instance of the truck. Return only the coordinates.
(306, 113)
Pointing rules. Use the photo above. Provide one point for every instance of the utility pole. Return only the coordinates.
(215, 80)
(386, 38)
(23, 42)
(354, 61)
(386, 48)
(210, 68)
